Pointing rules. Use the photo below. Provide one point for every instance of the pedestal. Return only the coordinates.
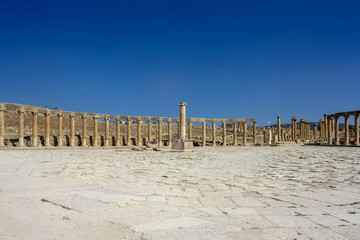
(182, 146)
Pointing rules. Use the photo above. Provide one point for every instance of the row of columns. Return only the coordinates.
(304, 129)
(332, 128)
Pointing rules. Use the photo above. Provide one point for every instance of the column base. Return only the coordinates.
(182, 146)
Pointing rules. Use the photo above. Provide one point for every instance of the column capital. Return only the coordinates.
(21, 111)
(2, 107)
(117, 118)
(47, 114)
(59, 114)
(84, 117)
(254, 122)
(183, 104)
(34, 112)
(106, 118)
(96, 117)
(169, 120)
(294, 119)
(315, 124)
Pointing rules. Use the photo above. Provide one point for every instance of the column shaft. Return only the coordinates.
(279, 128)
(337, 140)
(47, 129)
(149, 130)
(118, 137)
(189, 129)
(315, 132)
(160, 132)
(84, 135)
(325, 128)
(60, 130)
(329, 135)
(139, 140)
(21, 128)
(128, 139)
(72, 130)
(34, 129)
(204, 134)
(214, 133)
(107, 133)
(235, 133)
(346, 129)
(96, 129)
(182, 120)
(169, 132)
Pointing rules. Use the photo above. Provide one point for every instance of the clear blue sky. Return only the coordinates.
(234, 59)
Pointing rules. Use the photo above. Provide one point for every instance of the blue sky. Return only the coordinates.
(232, 59)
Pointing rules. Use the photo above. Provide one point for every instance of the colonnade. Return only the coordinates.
(87, 134)
(331, 128)
(304, 129)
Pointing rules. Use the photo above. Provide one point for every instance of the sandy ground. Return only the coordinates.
(290, 192)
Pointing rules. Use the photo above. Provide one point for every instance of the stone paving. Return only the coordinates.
(294, 192)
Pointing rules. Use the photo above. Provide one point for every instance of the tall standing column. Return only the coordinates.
(2, 126)
(138, 143)
(118, 137)
(178, 129)
(254, 132)
(182, 120)
(224, 133)
(21, 128)
(160, 132)
(204, 134)
(325, 127)
(149, 130)
(214, 133)
(47, 129)
(235, 133)
(293, 128)
(84, 135)
(346, 129)
(315, 131)
(356, 115)
(244, 132)
(72, 130)
(328, 125)
(279, 128)
(96, 131)
(189, 129)
(60, 130)
(301, 129)
(107, 134)
(169, 132)
(337, 140)
(128, 139)
(34, 129)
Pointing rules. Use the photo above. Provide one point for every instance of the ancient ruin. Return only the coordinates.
(29, 126)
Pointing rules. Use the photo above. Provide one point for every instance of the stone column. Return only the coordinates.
(96, 129)
(160, 132)
(189, 129)
(182, 120)
(128, 121)
(118, 137)
(214, 133)
(325, 127)
(107, 133)
(224, 133)
(346, 129)
(235, 133)
(60, 130)
(2, 126)
(329, 130)
(138, 142)
(169, 131)
(279, 128)
(149, 130)
(34, 129)
(293, 128)
(356, 115)
(178, 129)
(84, 135)
(301, 129)
(204, 133)
(244, 132)
(72, 130)
(47, 129)
(21, 128)
(254, 132)
(315, 131)
(337, 142)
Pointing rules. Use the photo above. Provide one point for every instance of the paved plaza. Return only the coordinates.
(287, 192)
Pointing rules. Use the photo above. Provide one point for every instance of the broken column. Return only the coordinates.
(183, 145)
